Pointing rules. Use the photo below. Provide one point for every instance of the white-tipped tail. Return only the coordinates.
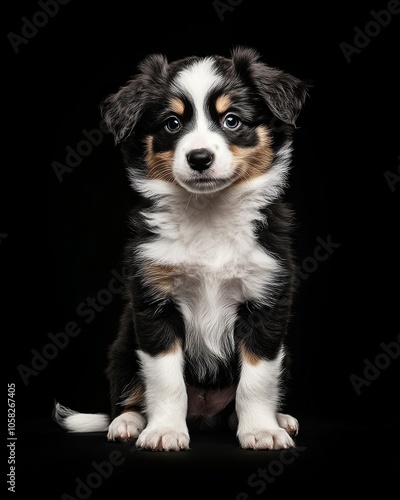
(74, 421)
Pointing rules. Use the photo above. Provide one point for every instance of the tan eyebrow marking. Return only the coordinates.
(223, 103)
(177, 106)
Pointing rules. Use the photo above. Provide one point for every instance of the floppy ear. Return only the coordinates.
(122, 111)
(283, 93)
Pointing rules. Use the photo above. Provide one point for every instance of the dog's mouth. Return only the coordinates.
(205, 184)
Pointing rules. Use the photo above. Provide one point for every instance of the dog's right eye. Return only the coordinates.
(173, 125)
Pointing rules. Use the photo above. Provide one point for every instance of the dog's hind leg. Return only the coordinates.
(289, 423)
(126, 426)
(126, 387)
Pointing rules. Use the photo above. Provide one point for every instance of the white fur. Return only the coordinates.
(198, 80)
(74, 421)
(166, 402)
(257, 401)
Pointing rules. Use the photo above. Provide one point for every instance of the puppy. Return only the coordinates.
(210, 273)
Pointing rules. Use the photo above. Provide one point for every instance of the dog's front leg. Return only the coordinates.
(165, 401)
(257, 399)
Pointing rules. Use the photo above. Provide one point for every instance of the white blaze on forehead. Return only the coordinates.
(197, 81)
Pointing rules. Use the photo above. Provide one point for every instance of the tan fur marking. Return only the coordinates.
(249, 357)
(161, 277)
(136, 398)
(255, 161)
(159, 164)
(223, 103)
(177, 106)
(175, 347)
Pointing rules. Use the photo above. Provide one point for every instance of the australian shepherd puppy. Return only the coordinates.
(209, 268)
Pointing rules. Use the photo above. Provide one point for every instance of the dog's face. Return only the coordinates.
(205, 123)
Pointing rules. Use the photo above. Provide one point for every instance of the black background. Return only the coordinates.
(61, 241)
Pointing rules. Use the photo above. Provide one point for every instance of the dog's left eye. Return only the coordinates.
(173, 125)
(231, 121)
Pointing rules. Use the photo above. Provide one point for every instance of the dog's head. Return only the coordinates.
(205, 123)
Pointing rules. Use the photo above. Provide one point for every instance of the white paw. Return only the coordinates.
(158, 438)
(263, 439)
(289, 423)
(126, 426)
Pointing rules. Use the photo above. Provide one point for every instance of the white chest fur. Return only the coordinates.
(210, 241)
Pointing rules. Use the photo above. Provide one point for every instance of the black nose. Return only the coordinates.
(200, 159)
